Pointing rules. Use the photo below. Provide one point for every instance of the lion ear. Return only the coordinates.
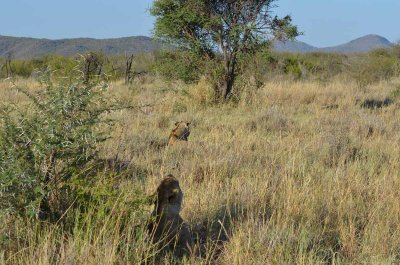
(170, 176)
(176, 123)
(188, 123)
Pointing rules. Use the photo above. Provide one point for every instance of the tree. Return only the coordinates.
(128, 69)
(221, 27)
(92, 65)
(7, 66)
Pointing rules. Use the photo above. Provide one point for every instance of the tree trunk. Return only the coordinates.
(229, 78)
(227, 86)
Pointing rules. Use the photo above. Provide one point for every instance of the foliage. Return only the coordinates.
(62, 66)
(396, 50)
(208, 28)
(91, 65)
(27, 68)
(375, 66)
(179, 65)
(44, 146)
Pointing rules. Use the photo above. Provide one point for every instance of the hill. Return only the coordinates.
(293, 46)
(359, 45)
(24, 48)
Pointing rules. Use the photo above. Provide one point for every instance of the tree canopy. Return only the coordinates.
(226, 27)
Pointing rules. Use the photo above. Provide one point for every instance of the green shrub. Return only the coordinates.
(291, 66)
(324, 66)
(44, 146)
(376, 66)
(63, 66)
(264, 65)
(396, 51)
(179, 65)
(22, 68)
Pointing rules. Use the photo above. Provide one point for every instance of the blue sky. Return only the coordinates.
(324, 22)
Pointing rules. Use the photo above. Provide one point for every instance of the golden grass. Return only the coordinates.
(295, 173)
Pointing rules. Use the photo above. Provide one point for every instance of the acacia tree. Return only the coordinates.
(221, 27)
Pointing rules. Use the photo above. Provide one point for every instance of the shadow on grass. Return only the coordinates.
(376, 103)
(211, 234)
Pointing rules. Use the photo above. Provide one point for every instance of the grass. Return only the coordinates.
(294, 173)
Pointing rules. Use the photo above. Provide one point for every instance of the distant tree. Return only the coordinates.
(128, 68)
(92, 65)
(227, 27)
(7, 67)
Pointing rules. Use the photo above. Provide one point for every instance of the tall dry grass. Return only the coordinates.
(293, 173)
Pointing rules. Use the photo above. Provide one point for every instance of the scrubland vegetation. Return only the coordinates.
(301, 166)
(265, 65)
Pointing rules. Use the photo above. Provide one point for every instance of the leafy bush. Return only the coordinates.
(396, 51)
(376, 66)
(113, 66)
(179, 65)
(291, 66)
(45, 146)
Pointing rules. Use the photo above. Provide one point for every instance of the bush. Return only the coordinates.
(45, 146)
(179, 65)
(376, 66)
(396, 51)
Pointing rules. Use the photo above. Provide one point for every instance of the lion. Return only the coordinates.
(181, 132)
(167, 228)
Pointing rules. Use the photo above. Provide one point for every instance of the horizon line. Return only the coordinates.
(147, 36)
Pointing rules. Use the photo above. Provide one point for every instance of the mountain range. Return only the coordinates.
(359, 45)
(25, 48)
